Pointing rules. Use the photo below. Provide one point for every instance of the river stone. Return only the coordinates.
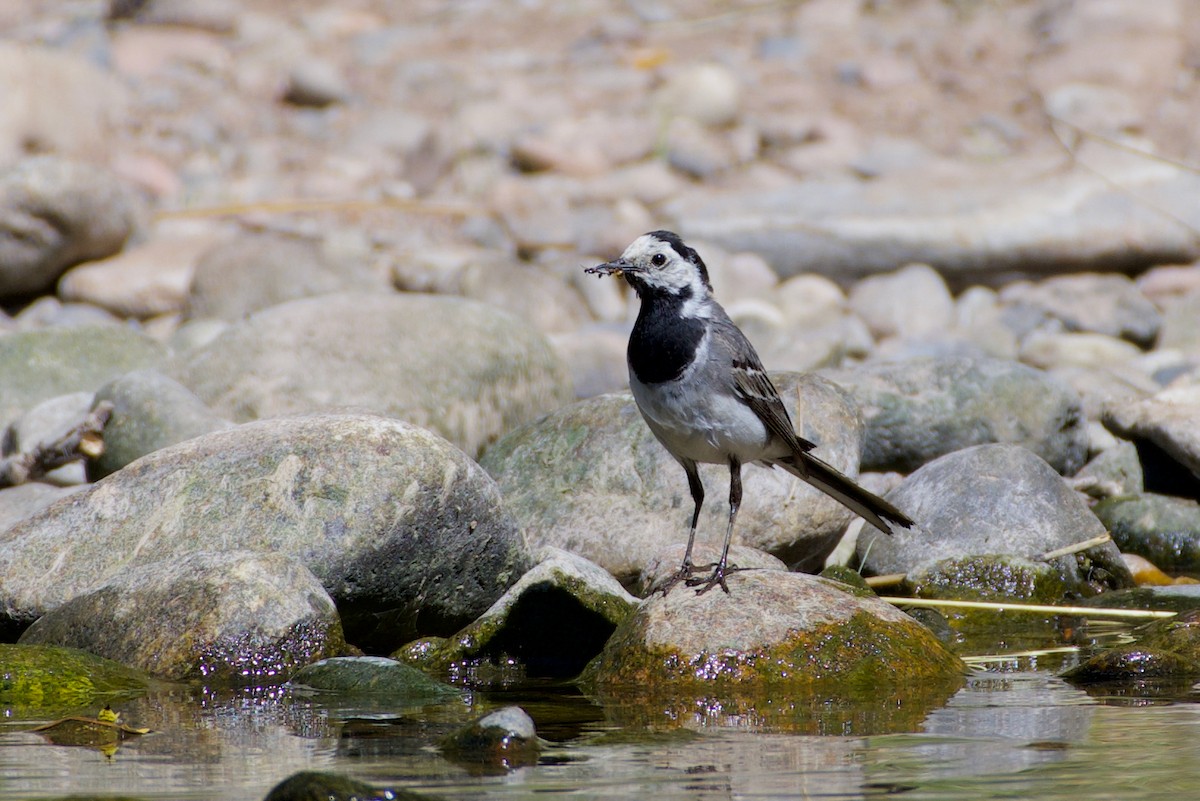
(1163, 649)
(38, 365)
(219, 616)
(55, 213)
(53, 677)
(786, 631)
(150, 411)
(922, 408)
(256, 270)
(1163, 529)
(505, 738)
(1102, 304)
(554, 620)
(404, 531)
(913, 302)
(372, 675)
(463, 369)
(989, 500)
(26, 500)
(45, 424)
(1165, 431)
(590, 478)
(312, 785)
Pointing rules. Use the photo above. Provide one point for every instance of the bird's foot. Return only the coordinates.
(684, 573)
(716, 579)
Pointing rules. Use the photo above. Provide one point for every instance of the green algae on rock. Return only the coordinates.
(54, 677)
(778, 630)
(1164, 649)
(372, 675)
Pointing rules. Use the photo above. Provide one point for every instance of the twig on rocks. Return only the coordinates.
(83, 441)
(1077, 547)
(1004, 606)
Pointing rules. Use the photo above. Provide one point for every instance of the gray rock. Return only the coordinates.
(979, 225)
(667, 561)
(989, 500)
(150, 411)
(26, 500)
(313, 785)
(50, 312)
(1181, 324)
(591, 479)
(1166, 423)
(404, 531)
(56, 213)
(913, 302)
(1163, 529)
(220, 616)
(1112, 472)
(372, 675)
(1047, 350)
(38, 365)
(920, 409)
(257, 270)
(317, 83)
(707, 93)
(505, 738)
(45, 423)
(1089, 302)
(553, 621)
(467, 371)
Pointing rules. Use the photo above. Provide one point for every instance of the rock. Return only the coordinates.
(317, 83)
(529, 292)
(595, 357)
(963, 510)
(789, 632)
(49, 312)
(55, 102)
(256, 270)
(989, 577)
(1181, 324)
(76, 359)
(221, 616)
(465, 370)
(505, 738)
(46, 423)
(1112, 472)
(55, 214)
(1145, 573)
(1176, 598)
(1164, 429)
(918, 410)
(554, 620)
(697, 151)
(667, 561)
(979, 224)
(26, 500)
(1090, 351)
(1164, 649)
(52, 677)
(591, 479)
(144, 281)
(372, 675)
(911, 303)
(707, 93)
(1093, 303)
(150, 411)
(312, 785)
(1165, 530)
(405, 532)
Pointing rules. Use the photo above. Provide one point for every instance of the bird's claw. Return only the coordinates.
(717, 578)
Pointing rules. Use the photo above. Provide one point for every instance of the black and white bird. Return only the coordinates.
(702, 389)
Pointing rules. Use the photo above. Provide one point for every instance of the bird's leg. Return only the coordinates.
(735, 501)
(685, 570)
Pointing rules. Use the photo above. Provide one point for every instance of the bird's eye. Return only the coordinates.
(658, 260)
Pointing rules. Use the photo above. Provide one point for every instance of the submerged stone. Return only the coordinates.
(1165, 649)
(1163, 529)
(372, 675)
(312, 785)
(504, 739)
(54, 677)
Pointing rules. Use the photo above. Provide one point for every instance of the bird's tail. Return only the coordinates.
(868, 505)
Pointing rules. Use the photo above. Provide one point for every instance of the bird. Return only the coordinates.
(702, 390)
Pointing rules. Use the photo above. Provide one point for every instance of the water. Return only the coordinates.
(1015, 731)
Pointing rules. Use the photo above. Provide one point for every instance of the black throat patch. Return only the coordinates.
(663, 342)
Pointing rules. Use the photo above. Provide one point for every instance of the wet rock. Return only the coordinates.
(405, 532)
(991, 577)
(312, 785)
(257, 270)
(53, 677)
(150, 411)
(963, 510)
(553, 621)
(918, 410)
(56, 103)
(911, 303)
(505, 738)
(466, 371)
(1164, 429)
(1163, 649)
(75, 359)
(372, 675)
(774, 630)
(221, 616)
(1175, 598)
(54, 214)
(1102, 304)
(1163, 529)
(44, 424)
(26, 500)
(591, 479)
(1145, 573)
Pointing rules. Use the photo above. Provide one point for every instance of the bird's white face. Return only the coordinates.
(661, 262)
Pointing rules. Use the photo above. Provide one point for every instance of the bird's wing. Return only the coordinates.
(753, 386)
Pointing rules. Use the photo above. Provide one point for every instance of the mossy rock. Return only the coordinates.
(53, 677)
(1165, 649)
(373, 675)
(989, 577)
(1163, 529)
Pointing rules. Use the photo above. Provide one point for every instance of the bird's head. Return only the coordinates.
(660, 262)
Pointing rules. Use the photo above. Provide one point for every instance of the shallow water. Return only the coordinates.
(1014, 731)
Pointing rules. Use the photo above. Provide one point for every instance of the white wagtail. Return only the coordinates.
(703, 391)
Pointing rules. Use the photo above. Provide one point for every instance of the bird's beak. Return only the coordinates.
(615, 267)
